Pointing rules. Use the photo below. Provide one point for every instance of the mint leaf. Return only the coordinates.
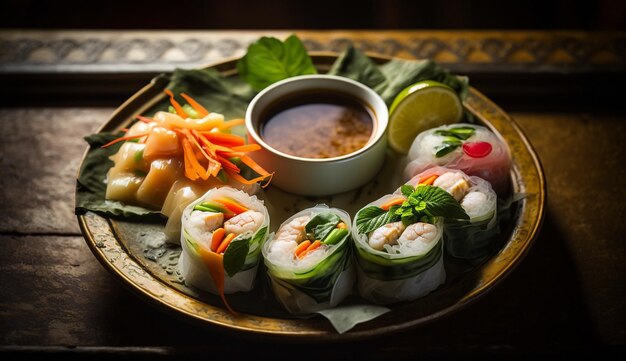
(438, 203)
(372, 217)
(235, 254)
(269, 60)
(320, 225)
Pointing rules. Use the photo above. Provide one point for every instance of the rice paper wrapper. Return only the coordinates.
(385, 278)
(494, 168)
(473, 238)
(193, 267)
(312, 287)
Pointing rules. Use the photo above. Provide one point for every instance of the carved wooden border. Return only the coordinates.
(160, 51)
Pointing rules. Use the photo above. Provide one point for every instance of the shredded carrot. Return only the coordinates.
(229, 237)
(230, 123)
(392, 203)
(246, 148)
(341, 225)
(302, 247)
(315, 245)
(129, 137)
(429, 180)
(224, 138)
(206, 153)
(253, 165)
(195, 105)
(215, 264)
(179, 110)
(218, 237)
(243, 180)
(144, 119)
(231, 205)
(227, 164)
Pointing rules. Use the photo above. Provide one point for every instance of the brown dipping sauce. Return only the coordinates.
(317, 124)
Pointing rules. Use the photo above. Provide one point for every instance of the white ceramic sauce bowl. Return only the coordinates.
(323, 176)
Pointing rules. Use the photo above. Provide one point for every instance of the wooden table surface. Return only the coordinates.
(566, 297)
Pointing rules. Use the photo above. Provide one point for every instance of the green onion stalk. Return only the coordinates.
(320, 278)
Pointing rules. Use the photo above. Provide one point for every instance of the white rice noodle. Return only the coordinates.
(495, 167)
(407, 289)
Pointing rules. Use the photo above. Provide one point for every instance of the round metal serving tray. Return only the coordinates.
(116, 243)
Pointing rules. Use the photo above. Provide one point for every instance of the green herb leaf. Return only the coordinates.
(436, 202)
(235, 254)
(444, 149)
(462, 133)
(407, 190)
(320, 225)
(372, 217)
(269, 60)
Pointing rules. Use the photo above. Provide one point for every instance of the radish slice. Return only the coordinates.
(477, 149)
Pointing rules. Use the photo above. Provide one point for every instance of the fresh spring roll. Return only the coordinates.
(474, 149)
(399, 244)
(222, 235)
(308, 260)
(473, 238)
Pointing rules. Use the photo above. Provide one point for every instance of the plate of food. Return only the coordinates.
(415, 199)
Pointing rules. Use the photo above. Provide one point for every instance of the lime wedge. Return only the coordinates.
(421, 106)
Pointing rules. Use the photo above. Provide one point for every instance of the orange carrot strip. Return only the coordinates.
(246, 148)
(224, 139)
(315, 245)
(253, 165)
(120, 139)
(392, 203)
(144, 119)
(230, 123)
(218, 237)
(195, 105)
(341, 225)
(231, 205)
(227, 164)
(210, 147)
(229, 237)
(215, 264)
(193, 161)
(302, 247)
(429, 180)
(179, 110)
(243, 180)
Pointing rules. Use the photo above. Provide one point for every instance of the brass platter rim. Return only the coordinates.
(116, 259)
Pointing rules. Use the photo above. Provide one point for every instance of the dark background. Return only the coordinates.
(317, 14)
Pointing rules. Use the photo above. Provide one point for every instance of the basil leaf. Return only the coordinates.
(407, 190)
(439, 203)
(320, 225)
(235, 254)
(372, 217)
(269, 60)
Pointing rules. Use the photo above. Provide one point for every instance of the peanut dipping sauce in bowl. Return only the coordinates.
(320, 134)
